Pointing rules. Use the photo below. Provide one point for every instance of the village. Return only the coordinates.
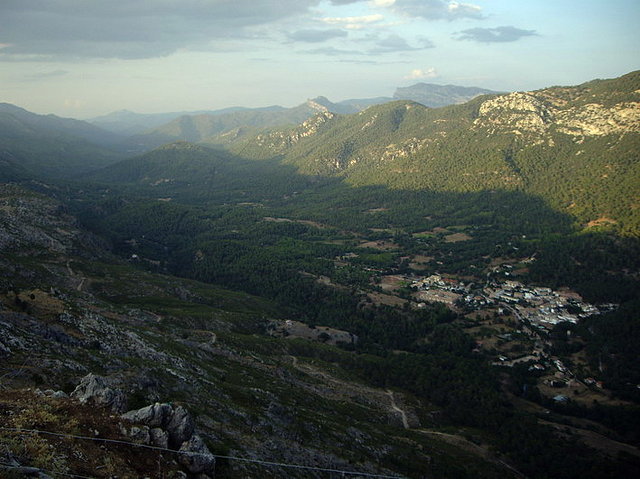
(539, 307)
(514, 322)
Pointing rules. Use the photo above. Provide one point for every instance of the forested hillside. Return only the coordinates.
(576, 148)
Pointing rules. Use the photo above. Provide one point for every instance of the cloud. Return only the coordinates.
(436, 9)
(419, 74)
(354, 23)
(395, 43)
(132, 28)
(333, 52)
(495, 35)
(376, 46)
(316, 36)
(382, 3)
(464, 10)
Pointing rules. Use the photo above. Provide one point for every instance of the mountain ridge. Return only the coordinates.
(435, 95)
(34, 145)
(432, 95)
(523, 141)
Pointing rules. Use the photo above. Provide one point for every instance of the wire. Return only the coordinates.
(190, 453)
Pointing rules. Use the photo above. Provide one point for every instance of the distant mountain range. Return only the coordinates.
(223, 127)
(125, 122)
(575, 147)
(151, 130)
(34, 145)
(435, 96)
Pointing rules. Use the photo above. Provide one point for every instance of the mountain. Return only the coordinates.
(575, 147)
(125, 122)
(53, 124)
(226, 127)
(152, 130)
(401, 291)
(435, 96)
(359, 104)
(34, 145)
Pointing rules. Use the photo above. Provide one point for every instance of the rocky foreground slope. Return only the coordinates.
(76, 322)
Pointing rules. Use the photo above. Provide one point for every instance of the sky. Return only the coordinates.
(85, 58)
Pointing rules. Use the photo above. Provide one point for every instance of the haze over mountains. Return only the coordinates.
(430, 95)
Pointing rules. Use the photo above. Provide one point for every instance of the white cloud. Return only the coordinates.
(419, 74)
(382, 3)
(437, 9)
(457, 9)
(354, 23)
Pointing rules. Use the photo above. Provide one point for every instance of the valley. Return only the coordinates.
(395, 291)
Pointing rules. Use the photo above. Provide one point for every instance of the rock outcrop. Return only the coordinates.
(538, 112)
(279, 140)
(196, 457)
(96, 390)
(155, 415)
(161, 425)
(515, 111)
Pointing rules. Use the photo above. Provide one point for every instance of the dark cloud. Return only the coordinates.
(316, 36)
(437, 9)
(131, 28)
(495, 35)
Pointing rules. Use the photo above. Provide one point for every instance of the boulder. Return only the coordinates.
(95, 390)
(172, 426)
(140, 435)
(52, 394)
(154, 415)
(196, 457)
(159, 438)
(180, 427)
